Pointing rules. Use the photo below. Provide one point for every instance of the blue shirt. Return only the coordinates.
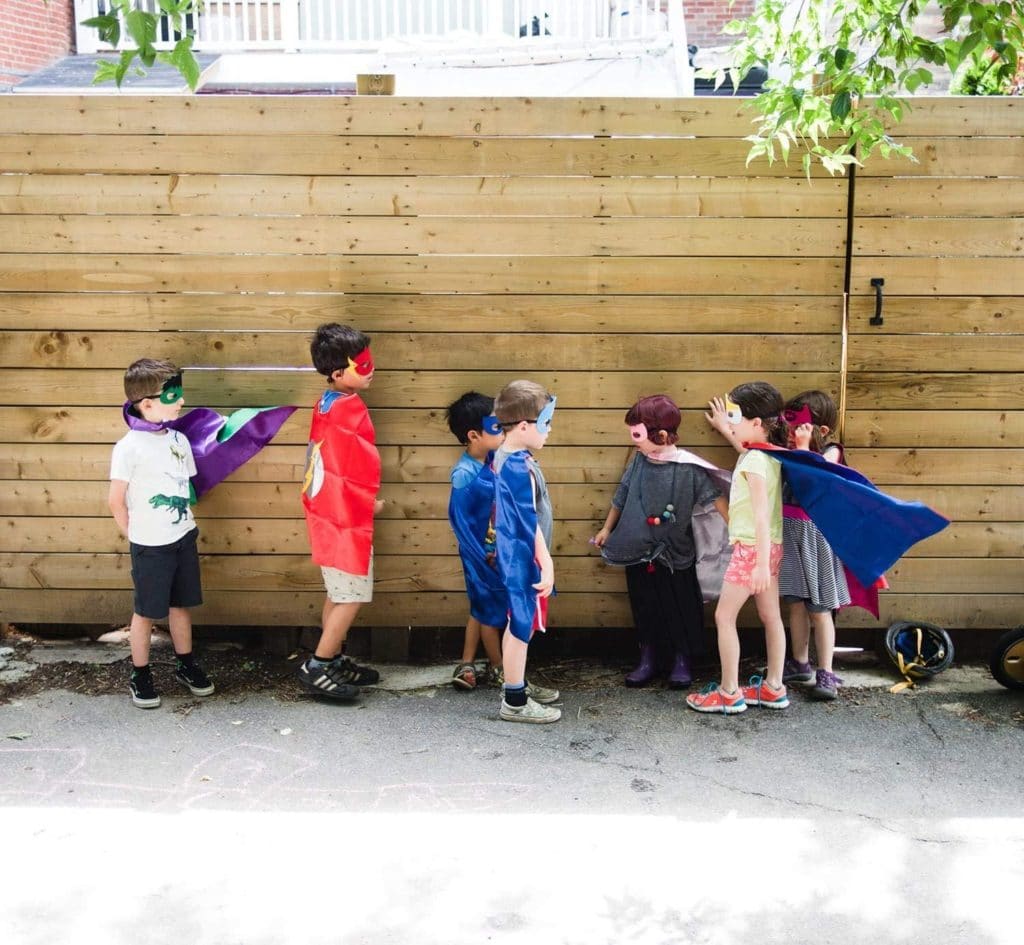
(465, 471)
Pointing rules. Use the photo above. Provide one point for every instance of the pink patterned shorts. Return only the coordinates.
(744, 560)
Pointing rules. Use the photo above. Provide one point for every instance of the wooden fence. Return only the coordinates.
(606, 248)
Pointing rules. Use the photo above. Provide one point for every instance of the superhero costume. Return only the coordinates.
(470, 511)
(219, 444)
(341, 483)
(516, 527)
(868, 529)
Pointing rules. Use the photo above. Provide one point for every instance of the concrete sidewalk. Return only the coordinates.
(415, 816)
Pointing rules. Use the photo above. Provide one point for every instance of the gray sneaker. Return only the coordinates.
(541, 694)
(531, 712)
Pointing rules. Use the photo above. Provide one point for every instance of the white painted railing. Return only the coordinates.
(336, 25)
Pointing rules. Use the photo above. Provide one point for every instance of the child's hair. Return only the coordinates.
(760, 400)
(824, 413)
(467, 413)
(518, 401)
(333, 345)
(146, 377)
(659, 414)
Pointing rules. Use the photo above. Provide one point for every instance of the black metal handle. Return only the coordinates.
(877, 319)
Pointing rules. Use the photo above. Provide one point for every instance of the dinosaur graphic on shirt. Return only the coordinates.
(174, 503)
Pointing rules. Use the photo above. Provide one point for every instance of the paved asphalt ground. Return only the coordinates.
(416, 817)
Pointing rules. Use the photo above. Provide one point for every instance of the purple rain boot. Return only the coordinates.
(680, 677)
(647, 668)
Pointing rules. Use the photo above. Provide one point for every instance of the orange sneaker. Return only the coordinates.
(760, 693)
(712, 699)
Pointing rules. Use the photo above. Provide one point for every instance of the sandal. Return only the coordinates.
(464, 676)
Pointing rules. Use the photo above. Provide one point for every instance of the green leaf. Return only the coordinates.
(185, 61)
(841, 105)
(141, 27)
(842, 57)
(109, 28)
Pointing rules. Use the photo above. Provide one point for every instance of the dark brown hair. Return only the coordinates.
(760, 400)
(333, 345)
(824, 413)
(146, 377)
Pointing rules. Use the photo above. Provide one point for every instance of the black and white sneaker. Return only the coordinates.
(355, 673)
(326, 680)
(193, 679)
(144, 693)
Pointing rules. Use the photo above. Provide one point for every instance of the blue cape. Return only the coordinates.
(469, 512)
(516, 524)
(868, 530)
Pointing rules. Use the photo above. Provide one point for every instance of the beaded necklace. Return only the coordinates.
(669, 514)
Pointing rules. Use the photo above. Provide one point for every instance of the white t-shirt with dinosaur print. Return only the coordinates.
(157, 468)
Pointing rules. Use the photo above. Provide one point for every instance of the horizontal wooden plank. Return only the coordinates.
(921, 237)
(422, 426)
(356, 115)
(411, 573)
(877, 390)
(403, 389)
(509, 236)
(392, 573)
(887, 467)
(958, 575)
(359, 115)
(572, 464)
(954, 157)
(276, 500)
(426, 351)
(300, 608)
(99, 535)
(989, 354)
(937, 276)
(110, 311)
(925, 197)
(388, 155)
(966, 116)
(497, 275)
(918, 428)
(287, 463)
(253, 194)
(987, 519)
(907, 314)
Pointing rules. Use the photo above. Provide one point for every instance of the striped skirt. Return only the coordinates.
(810, 569)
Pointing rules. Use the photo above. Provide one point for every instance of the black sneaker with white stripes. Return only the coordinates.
(327, 680)
(357, 674)
(144, 693)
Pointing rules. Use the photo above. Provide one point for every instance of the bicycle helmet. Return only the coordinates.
(918, 649)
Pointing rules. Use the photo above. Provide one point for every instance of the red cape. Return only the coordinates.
(341, 484)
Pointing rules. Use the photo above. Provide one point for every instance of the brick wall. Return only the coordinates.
(705, 19)
(33, 34)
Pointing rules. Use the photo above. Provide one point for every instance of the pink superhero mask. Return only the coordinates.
(796, 418)
(362, 363)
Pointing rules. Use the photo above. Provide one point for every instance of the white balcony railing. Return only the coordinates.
(339, 25)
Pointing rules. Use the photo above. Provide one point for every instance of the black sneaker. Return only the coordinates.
(144, 693)
(194, 679)
(326, 680)
(355, 673)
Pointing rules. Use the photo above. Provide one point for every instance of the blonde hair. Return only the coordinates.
(518, 401)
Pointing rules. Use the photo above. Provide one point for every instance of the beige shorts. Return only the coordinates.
(345, 588)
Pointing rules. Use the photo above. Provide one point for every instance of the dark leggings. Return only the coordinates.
(668, 609)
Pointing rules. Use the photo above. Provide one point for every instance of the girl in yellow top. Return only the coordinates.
(753, 413)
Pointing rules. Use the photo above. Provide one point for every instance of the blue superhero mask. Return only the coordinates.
(543, 420)
(490, 425)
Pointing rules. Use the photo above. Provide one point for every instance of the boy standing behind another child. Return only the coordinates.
(339, 495)
(523, 521)
(470, 510)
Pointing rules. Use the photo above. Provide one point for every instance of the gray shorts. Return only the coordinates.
(345, 588)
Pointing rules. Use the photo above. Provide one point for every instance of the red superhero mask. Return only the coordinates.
(362, 363)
